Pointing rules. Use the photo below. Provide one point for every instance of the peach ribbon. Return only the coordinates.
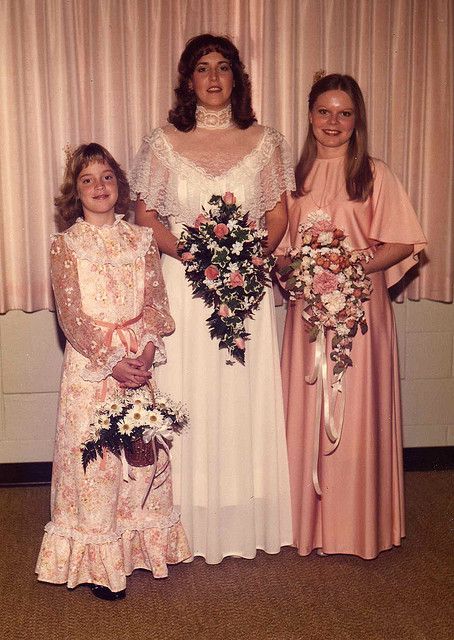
(121, 329)
(334, 432)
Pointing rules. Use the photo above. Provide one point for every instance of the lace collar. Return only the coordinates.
(221, 119)
(117, 244)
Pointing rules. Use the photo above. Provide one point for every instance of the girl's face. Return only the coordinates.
(98, 192)
(333, 122)
(212, 81)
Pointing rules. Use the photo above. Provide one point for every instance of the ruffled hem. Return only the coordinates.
(68, 557)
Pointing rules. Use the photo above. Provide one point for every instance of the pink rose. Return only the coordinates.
(229, 198)
(236, 279)
(325, 282)
(187, 257)
(257, 261)
(224, 311)
(211, 272)
(239, 342)
(221, 230)
(201, 219)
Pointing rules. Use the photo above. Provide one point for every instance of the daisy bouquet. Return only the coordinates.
(224, 263)
(135, 415)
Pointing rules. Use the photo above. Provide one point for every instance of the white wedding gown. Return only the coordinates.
(230, 467)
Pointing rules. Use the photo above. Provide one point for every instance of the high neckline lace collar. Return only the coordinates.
(206, 119)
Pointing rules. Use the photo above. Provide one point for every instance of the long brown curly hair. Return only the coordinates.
(68, 204)
(182, 116)
(358, 166)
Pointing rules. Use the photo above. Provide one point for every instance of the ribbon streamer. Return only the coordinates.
(327, 401)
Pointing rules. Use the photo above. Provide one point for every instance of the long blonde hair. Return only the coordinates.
(358, 164)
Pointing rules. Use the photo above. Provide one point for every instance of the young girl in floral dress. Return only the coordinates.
(112, 306)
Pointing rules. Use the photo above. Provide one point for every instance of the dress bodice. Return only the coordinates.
(178, 183)
(387, 216)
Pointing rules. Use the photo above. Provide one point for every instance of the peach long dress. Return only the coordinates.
(99, 532)
(361, 509)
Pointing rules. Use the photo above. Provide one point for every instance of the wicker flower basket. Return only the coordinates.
(141, 454)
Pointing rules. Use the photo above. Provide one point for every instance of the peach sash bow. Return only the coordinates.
(120, 329)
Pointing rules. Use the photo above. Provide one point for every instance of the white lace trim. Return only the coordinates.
(117, 245)
(156, 522)
(94, 373)
(160, 356)
(171, 184)
(206, 119)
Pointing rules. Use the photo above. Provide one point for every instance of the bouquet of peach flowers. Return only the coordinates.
(225, 266)
(330, 277)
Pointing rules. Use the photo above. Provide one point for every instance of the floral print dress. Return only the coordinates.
(111, 301)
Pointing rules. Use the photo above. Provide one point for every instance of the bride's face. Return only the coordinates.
(212, 81)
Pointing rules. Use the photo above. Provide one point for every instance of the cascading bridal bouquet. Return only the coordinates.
(224, 263)
(133, 425)
(330, 277)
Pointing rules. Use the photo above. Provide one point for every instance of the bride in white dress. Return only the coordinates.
(230, 468)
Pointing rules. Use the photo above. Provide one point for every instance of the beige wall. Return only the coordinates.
(31, 357)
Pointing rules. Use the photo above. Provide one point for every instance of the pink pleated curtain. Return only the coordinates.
(74, 71)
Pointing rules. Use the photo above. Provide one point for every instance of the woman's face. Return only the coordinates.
(212, 81)
(333, 122)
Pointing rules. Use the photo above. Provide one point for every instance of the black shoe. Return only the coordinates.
(104, 593)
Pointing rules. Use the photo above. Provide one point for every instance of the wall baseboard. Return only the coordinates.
(415, 459)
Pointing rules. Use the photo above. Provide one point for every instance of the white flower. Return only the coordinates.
(125, 427)
(342, 330)
(103, 422)
(237, 248)
(334, 302)
(153, 417)
(135, 416)
(325, 237)
(115, 408)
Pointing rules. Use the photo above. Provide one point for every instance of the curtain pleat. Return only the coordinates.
(80, 70)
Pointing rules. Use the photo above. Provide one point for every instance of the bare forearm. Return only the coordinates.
(276, 225)
(387, 255)
(165, 240)
(147, 356)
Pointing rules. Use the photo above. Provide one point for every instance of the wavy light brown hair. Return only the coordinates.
(68, 204)
(358, 164)
(182, 116)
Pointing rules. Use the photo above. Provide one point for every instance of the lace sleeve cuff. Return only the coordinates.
(160, 356)
(97, 371)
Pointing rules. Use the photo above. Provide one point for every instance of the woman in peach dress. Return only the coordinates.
(361, 508)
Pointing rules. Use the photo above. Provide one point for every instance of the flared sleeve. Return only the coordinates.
(80, 329)
(150, 177)
(394, 219)
(276, 174)
(157, 321)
